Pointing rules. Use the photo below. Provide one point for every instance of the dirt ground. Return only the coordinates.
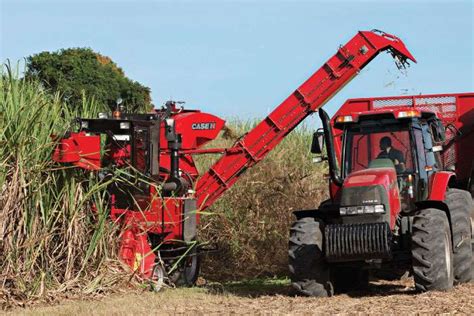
(270, 297)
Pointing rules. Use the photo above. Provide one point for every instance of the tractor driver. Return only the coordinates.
(388, 152)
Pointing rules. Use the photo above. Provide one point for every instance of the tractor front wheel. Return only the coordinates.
(308, 271)
(432, 251)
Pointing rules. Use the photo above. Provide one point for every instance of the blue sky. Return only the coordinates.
(242, 58)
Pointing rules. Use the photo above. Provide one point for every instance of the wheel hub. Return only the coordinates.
(157, 279)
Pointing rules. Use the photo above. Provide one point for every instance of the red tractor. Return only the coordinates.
(401, 179)
(158, 205)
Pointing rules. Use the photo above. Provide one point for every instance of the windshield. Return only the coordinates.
(378, 143)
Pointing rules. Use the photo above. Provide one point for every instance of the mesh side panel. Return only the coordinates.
(449, 154)
(444, 111)
(441, 108)
(392, 103)
(444, 106)
(436, 100)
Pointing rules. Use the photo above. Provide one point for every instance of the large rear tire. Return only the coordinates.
(308, 271)
(460, 207)
(432, 251)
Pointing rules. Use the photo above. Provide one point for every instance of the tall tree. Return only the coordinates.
(75, 71)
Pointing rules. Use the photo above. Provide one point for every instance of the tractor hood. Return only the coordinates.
(373, 176)
(373, 186)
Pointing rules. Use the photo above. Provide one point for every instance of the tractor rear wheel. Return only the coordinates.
(308, 271)
(460, 207)
(432, 250)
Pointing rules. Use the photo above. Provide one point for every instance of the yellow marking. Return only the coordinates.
(138, 261)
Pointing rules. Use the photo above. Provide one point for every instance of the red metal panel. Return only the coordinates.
(309, 97)
(136, 252)
(79, 149)
(438, 185)
(465, 143)
(197, 128)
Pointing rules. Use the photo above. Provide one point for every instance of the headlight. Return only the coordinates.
(366, 209)
(84, 124)
(380, 209)
(369, 209)
(124, 125)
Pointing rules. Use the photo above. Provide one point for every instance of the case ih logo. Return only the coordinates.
(203, 126)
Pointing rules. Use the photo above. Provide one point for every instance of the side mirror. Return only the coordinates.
(318, 142)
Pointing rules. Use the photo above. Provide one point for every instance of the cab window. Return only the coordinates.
(365, 144)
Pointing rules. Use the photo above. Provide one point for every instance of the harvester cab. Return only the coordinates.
(400, 201)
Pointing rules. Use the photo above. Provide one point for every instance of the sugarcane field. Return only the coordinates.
(236, 157)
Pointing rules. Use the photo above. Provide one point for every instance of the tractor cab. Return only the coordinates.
(385, 160)
(407, 140)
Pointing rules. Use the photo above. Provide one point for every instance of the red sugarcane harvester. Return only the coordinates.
(158, 207)
(401, 179)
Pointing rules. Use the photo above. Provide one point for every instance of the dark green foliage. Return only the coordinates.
(76, 72)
